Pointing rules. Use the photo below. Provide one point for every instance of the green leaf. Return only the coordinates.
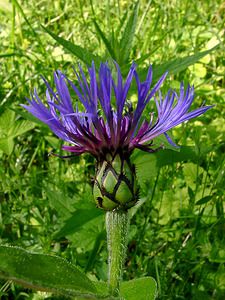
(179, 64)
(104, 39)
(29, 117)
(6, 145)
(204, 200)
(2, 55)
(100, 240)
(122, 21)
(78, 219)
(12, 128)
(142, 289)
(21, 127)
(9, 129)
(53, 141)
(81, 53)
(128, 35)
(147, 165)
(191, 194)
(102, 287)
(167, 156)
(7, 120)
(44, 272)
(162, 140)
(60, 202)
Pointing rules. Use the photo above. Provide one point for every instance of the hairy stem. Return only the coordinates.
(117, 223)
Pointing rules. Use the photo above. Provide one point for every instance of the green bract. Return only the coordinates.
(115, 184)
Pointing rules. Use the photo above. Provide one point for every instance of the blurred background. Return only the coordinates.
(177, 230)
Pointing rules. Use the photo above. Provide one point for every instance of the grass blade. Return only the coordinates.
(128, 35)
(17, 5)
(104, 39)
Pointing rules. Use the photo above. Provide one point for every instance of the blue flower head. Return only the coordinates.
(101, 128)
(104, 124)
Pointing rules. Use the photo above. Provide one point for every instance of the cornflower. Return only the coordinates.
(110, 127)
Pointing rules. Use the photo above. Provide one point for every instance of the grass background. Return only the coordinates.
(177, 235)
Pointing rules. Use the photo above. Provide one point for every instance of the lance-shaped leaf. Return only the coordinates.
(45, 272)
(78, 219)
(128, 35)
(104, 39)
(179, 64)
(172, 66)
(80, 52)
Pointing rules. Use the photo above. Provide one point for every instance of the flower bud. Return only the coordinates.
(115, 185)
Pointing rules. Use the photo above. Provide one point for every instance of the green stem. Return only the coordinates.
(117, 223)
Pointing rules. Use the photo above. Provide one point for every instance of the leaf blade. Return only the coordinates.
(7, 145)
(43, 272)
(204, 200)
(141, 289)
(83, 54)
(179, 64)
(78, 219)
(128, 34)
(104, 39)
(21, 127)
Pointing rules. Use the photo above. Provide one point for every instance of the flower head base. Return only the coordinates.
(115, 184)
(111, 132)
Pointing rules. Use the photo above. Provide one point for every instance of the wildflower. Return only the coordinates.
(111, 132)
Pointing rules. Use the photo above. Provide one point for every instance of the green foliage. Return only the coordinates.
(177, 228)
(78, 219)
(127, 37)
(55, 275)
(81, 53)
(108, 45)
(43, 272)
(10, 128)
(147, 166)
(119, 44)
(179, 64)
(141, 288)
